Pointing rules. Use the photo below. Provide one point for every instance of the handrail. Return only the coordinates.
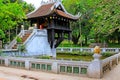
(72, 49)
(35, 32)
(14, 41)
(27, 40)
(22, 32)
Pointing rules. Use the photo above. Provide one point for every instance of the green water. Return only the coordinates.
(75, 57)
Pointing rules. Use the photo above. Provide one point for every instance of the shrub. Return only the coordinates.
(22, 48)
(1, 52)
(107, 54)
(43, 57)
(18, 39)
(77, 53)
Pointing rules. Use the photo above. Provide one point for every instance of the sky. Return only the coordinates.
(36, 3)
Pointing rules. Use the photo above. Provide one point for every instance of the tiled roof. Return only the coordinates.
(48, 9)
(42, 11)
(61, 13)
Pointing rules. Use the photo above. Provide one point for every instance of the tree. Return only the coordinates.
(106, 19)
(11, 15)
(84, 24)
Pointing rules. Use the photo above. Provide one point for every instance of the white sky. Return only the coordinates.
(36, 3)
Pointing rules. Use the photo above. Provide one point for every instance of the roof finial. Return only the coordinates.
(54, 0)
(42, 2)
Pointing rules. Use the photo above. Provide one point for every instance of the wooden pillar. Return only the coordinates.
(69, 36)
(38, 23)
(53, 43)
(53, 34)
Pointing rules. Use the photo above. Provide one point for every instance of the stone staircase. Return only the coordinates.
(24, 38)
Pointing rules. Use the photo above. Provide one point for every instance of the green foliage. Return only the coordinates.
(106, 18)
(12, 13)
(81, 27)
(107, 54)
(18, 39)
(77, 53)
(2, 35)
(44, 57)
(1, 52)
(76, 57)
(99, 20)
(85, 56)
(21, 48)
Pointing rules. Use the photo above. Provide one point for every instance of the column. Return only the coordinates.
(55, 67)
(95, 68)
(27, 64)
(6, 62)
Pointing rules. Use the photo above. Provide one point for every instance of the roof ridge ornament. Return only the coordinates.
(54, 1)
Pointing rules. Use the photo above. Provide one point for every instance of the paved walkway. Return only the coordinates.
(21, 74)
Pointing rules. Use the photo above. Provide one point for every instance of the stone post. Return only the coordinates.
(6, 62)
(54, 52)
(27, 64)
(95, 67)
(55, 67)
(22, 28)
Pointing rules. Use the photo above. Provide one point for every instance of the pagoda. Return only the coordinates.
(53, 17)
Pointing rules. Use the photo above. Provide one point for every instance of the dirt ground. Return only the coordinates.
(21, 74)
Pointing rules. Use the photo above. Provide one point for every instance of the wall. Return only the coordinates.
(54, 66)
(78, 68)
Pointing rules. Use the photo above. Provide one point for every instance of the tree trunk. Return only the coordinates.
(86, 40)
(119, 38)
(75, 39)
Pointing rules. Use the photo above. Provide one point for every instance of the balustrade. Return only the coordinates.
(69, 49)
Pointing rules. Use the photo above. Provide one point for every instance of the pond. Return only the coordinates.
(75, 57)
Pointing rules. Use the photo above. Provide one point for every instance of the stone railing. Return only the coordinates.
(108, 63)
(68, 49)
(14, 40)
(10, 52)
(54, 66)
(79, 68)
(34, 33)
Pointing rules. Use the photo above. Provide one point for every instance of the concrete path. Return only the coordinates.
(21, 74)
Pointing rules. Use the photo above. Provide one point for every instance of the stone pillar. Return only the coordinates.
(27, 64)
(95, 67)
(54, 52)
(55, 67)
(117, 50)
(81, 49)
(6, 62)
(22, 28)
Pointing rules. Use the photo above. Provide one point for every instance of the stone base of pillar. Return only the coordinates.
(55, 67)
(95, 67)
(54, 52)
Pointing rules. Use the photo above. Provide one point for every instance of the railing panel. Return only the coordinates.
(109, 62)
(70, 49)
